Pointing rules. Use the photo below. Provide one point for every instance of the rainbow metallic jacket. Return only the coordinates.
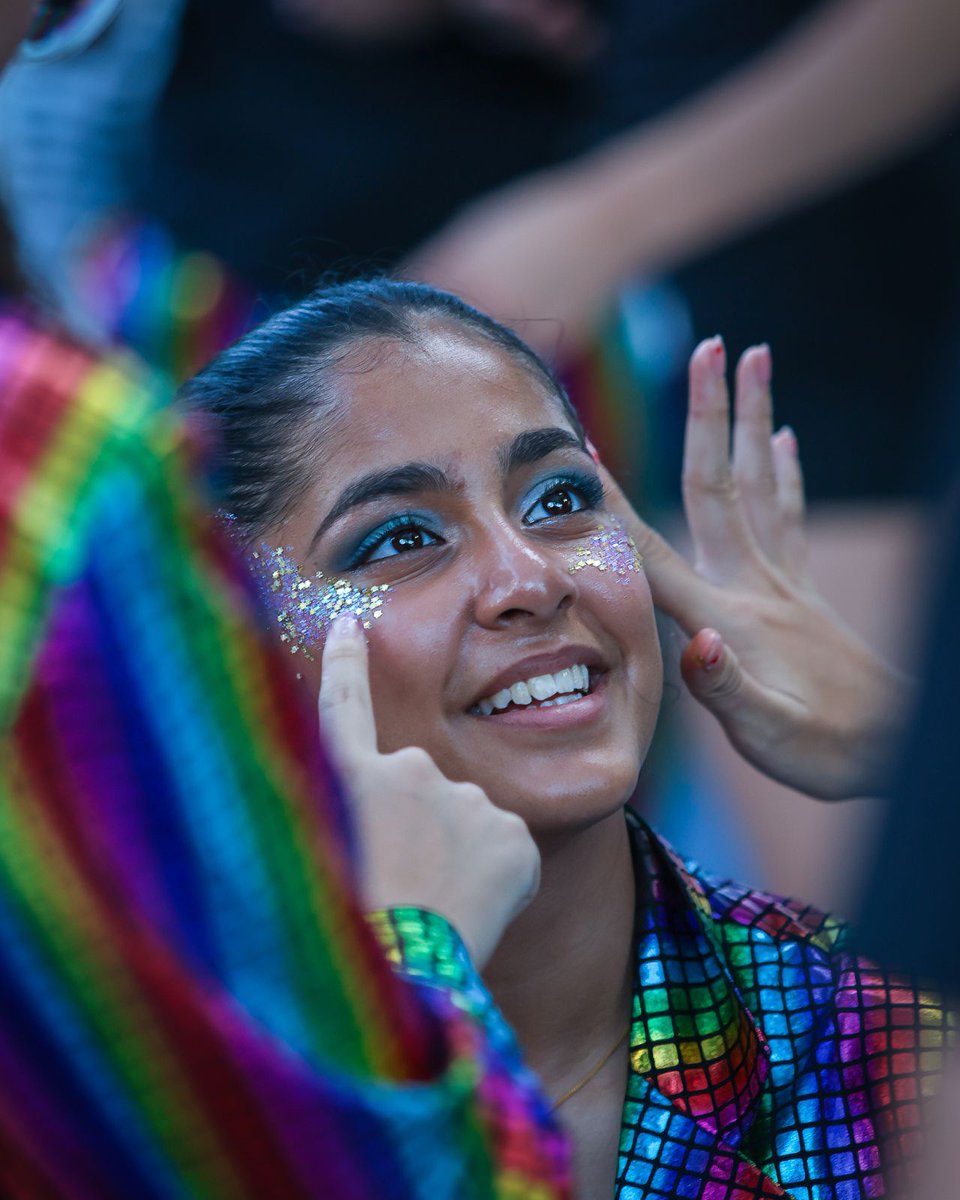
(766, 1058)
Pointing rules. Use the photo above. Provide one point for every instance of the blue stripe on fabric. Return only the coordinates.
(239, 898)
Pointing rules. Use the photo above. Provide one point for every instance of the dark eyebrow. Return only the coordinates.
(394, 481)
(533, 444)
(526, 448)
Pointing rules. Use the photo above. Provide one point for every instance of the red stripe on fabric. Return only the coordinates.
(41, 1158)
(22, 1177)
(35, 393)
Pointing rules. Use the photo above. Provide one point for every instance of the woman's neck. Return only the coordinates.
(563, 972)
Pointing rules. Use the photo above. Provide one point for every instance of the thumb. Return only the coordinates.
(713, 674)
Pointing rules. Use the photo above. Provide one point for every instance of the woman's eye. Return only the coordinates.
(400, 541)
(558, 502)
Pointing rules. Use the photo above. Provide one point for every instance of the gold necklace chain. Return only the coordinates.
(593, 1070)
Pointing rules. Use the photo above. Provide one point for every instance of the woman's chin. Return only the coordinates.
(554, 806)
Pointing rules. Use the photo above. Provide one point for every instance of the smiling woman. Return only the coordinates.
(389, 451)
(434, 456)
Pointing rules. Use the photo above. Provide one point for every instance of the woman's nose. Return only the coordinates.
(520, 580)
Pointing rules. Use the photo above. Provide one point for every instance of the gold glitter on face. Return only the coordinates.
(610, 549)
(305, 606)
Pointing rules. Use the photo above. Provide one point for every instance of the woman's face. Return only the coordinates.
(453, 477)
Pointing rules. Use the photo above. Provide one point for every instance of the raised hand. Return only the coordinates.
(425, 842)
(532, 254)
(797, 692)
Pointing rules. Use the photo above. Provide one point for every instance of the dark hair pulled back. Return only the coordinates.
(270, 391)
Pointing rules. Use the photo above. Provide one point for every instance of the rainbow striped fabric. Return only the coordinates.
(192, 1003)
(177, 309)
(766, 1058)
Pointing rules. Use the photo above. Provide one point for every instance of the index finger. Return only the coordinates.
(346, 709)
(676, 587)
(692, 601)
(714, 515)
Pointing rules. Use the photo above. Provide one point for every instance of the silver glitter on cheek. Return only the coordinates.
(611, 549)
(305, 606)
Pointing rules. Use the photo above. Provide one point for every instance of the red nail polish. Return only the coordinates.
(789, 439)
(713, 652)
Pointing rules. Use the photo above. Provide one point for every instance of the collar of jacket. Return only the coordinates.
(692, 1036)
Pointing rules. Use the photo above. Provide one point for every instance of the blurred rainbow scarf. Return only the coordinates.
(193, 1005)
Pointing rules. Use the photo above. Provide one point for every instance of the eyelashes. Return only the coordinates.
(548, 497)
(554, 499)
(405, 532)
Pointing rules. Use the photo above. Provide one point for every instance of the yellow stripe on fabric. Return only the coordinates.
(46, 527)
(109, 405)
(56, 899)
(513, 1185)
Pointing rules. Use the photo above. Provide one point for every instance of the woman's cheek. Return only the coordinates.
(613, 585)
(608, 550)
(304, 604)
(608, 565)
(411, 658)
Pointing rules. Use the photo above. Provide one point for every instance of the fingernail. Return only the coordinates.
(346, 625)
(763, 365)
(718, 357)
(713, 651)
(788, 439)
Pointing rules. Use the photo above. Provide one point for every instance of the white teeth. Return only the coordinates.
(542, 687)
(572, 683)
(569, 698)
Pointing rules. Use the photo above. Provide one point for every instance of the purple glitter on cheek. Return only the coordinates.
(611, 549)
(305, 606)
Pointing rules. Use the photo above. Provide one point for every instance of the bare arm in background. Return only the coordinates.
(849, 90)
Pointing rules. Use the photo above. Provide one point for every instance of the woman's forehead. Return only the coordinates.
(453, 395)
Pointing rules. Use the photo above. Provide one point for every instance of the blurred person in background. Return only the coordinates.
(284, 138)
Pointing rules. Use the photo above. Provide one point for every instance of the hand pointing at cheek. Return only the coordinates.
(425, 842)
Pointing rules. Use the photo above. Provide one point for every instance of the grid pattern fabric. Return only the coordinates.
(767, 1059)
(193, 1004)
